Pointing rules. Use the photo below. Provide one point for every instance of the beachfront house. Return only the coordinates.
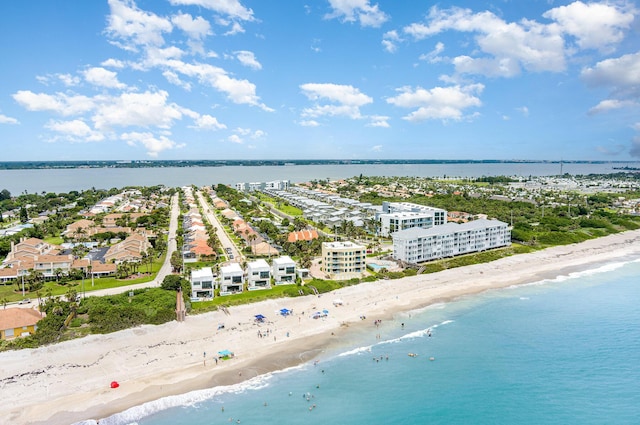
(202, 284)
(231, 279)
(284, 270)
(258, 275)
(17, 322)
(417, 245)
(343, 260)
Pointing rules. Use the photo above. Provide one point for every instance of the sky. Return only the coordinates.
(319, 79)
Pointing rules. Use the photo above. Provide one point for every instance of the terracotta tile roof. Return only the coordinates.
(302, 235)
(11, 318)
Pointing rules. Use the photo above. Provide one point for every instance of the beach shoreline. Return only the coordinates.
(69, 382)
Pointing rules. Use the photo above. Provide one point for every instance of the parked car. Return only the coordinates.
(25, 301)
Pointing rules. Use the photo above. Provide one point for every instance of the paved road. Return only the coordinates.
(225, 241)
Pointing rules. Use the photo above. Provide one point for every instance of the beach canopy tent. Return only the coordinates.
(319, 314)
(225, 354)
(285, 311)
(337, 302)
(259, 318)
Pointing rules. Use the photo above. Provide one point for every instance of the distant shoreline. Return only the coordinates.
(35, 165)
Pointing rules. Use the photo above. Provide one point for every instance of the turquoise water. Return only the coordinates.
(564, 351)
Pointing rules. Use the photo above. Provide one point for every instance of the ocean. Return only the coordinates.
(558, 351)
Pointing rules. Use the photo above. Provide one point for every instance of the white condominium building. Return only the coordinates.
(396, 216)
(394, 222)
(343, 260)
(417, 245)
(439, 215)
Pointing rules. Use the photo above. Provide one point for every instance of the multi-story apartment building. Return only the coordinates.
(343, 260)
(417, 245)
(396, 216)
(397, 221)
(202, 284)
(231, 279)
(258, 275)
(283, 270)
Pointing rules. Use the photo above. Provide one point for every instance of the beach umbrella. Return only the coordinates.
(259, 317)
(114, 384)
(284, 311)
(325, 311)
(225, 353)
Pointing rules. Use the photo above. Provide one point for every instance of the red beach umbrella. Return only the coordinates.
(115, 384)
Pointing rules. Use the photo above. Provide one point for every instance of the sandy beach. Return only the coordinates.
(70, 382)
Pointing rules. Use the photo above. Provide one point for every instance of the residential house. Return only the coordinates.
(17, 322)
(202, 284)
(130, 249)
(283, 270)
(258, 275)
(231, 279)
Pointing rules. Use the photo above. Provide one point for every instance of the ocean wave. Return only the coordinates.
(606, 268)
(357, 350)
(415, 334)
(190, 399)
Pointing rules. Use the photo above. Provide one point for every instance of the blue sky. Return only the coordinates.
(324, 79)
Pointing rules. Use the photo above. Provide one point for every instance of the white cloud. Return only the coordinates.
(309, 123)
(233, 8)
(610, 105)
(434, 55)
(523, 110)
(378, 121)
(443, 103)
(390, 40)
(68, 79)
(8, 120)
(113, 63)
(207, 122)
(595, 25)
(347, 100)
(248, 59)
(236, 28)
(622, 74)
(357, 10)
(153, 144)
(75, 131)
(136, 109)
(376, 148)
(60, 103)
(173, 78)
(197, 28)
(509, 46)
(103, 77)
(238, 91)
(234, 138)
(134, 26)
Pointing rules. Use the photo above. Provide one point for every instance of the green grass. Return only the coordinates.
(54, 240)
(290, 210)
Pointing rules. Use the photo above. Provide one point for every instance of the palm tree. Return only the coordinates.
(4, 302)
(252, 237)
